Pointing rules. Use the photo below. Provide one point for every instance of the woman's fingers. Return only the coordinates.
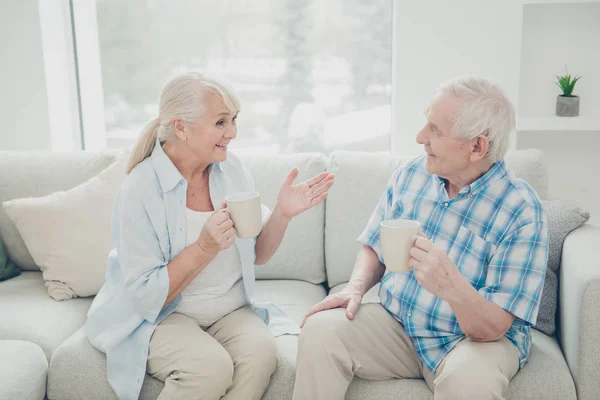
(291, 177)
(314, 180)
(319, 199)
(226, 225)
(322, 187)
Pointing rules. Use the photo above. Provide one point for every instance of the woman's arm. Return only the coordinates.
(271, 236)
(291, 201)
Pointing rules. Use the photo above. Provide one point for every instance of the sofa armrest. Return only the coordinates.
(580, 308)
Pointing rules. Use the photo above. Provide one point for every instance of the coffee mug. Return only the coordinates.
(397, 238)
(245, 212)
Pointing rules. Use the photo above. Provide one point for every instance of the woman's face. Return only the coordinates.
(209, 137)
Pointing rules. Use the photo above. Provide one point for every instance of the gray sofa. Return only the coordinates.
(316, 255)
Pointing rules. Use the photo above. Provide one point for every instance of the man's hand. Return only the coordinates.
(349, 298)
(434, 270)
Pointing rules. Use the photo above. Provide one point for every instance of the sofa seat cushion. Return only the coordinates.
(78, 370)
(545, 376)
(23, 369)
(28, 313)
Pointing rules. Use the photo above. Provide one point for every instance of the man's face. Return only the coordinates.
(447, 156)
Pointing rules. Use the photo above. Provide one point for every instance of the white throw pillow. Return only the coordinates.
(68, 232)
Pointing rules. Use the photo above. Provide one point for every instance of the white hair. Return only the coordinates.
(485, 111)
(184, 96)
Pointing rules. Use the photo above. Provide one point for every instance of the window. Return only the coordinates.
(312, 75)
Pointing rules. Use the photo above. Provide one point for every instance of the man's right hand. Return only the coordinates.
(349, 298)
(217, 233)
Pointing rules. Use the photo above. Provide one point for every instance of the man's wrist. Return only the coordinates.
(356, 286)
(462, 293)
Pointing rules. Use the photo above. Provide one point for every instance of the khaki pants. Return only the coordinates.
(233, 359)
(332, 350)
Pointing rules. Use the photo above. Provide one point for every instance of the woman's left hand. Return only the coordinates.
(295, 199)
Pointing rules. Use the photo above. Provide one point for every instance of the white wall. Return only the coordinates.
(23, 98)
(555, 36)
(435, 40)
(573, 166)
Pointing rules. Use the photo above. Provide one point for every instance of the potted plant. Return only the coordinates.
(567, 105)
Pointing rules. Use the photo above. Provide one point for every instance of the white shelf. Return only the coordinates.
(554, 123)
(526, 2)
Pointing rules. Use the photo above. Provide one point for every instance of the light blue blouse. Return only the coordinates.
(148, 229)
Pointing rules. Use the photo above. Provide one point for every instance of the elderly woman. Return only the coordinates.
(178, 300)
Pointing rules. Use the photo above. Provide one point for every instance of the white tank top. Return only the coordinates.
(218, 289)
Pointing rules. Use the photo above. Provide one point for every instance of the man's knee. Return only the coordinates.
(322, 326)
(470, 381)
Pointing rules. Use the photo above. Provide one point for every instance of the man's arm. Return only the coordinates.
(487, 314)
(367, 272)
(480, 319)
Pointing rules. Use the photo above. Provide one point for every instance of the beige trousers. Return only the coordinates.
(232, 359)
(332, 350)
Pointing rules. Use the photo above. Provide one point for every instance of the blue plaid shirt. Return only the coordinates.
(494, 231)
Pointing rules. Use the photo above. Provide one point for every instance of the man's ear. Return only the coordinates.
(479, 148)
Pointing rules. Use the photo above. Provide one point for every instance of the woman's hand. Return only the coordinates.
(217, 233)
(295, 199)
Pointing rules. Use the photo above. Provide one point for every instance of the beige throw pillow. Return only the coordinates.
(68, 232)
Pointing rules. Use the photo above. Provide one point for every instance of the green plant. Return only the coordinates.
(566, 83)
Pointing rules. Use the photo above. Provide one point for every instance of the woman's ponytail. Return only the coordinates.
(144, 145)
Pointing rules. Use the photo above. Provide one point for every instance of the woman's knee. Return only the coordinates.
(262, 357)
(208, 370)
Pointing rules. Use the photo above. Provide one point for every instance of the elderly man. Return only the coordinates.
(461, 317)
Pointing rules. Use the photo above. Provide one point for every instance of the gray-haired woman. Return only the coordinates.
(178, 301)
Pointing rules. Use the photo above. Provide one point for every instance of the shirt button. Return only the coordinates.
(409, 314)
(446, 204)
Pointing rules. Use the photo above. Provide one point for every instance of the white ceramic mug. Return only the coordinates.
(397, 238)
(245, 212)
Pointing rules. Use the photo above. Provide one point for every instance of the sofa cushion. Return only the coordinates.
(23, 370)
(562, 219)
(28, 313)
(301, 254)
(8, 269)
(78, 370)
(545, 376)
(34, 174)
(68, 232)
(361, 179)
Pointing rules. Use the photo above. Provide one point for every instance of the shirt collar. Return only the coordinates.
(168, 175)
(496, 171)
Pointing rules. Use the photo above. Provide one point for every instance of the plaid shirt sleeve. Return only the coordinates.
(516, 272)
(383, 210)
